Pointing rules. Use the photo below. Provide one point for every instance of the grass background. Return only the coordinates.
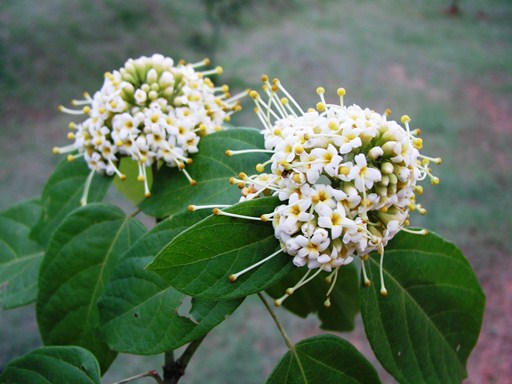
(451, 73)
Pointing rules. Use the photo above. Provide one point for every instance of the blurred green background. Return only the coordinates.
(449, 68)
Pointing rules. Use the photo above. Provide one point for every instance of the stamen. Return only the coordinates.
(193, 208)
(146, 187)
(235, 276)
(117, 171)
(88, 182)
(80, 102)
(278, 83)
(327, 302)
(217, 211)
(435, 160)
(237, 97)
(341, 92)
(301, 283)
(261, 166)
(70, 157)
(202, 63)
(366, 280)
(215, 71)
(189, 178)
(229, 152)
(69, 111)
(66, 149)
(383, 290)
(412, 231)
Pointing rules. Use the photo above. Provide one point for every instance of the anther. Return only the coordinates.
(405, 119)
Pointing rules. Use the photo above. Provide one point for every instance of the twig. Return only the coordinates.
(154, 374)
(287, 340)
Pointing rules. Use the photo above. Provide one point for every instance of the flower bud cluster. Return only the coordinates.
(347, 177)
(152, 111)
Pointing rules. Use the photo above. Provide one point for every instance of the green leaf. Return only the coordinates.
(20, 257)
(211, 168)
(62, 193)
(427, 325)
(200, 260)
(310, 298)
(80, 259)
(325, 359)
(63, 365)
(141, 314)
(132, 188)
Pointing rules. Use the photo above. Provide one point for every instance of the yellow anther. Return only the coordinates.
(418, 143)
(86, 109)
(341, 92)
(296, 178)
(71, 136)
(219, 70)
(260, 167)
(206, 61)
(254, 94)
(344, 170)
(388, 112)
(264, 78)
(405, 119)
(70, 158)
(320, 106)
(141, 178)
(434, 180)
(320, 90)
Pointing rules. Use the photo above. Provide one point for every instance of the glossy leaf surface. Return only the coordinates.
(20, 257)
(425, 328)
(325, 359)
(141, 313)
(200, 260)
(63, 365)
(80, 259)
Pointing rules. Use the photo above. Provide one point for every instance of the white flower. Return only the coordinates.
(346, 176)
(151, 111)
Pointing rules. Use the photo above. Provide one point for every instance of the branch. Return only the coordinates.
(175, 369)
(154, 374)
(280, 327)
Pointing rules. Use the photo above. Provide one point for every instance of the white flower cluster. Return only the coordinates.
(151, 111)
(346, 176)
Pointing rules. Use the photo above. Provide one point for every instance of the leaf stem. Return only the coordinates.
(175, 369)
(135, 213)
(280, 327)
(154, 374)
